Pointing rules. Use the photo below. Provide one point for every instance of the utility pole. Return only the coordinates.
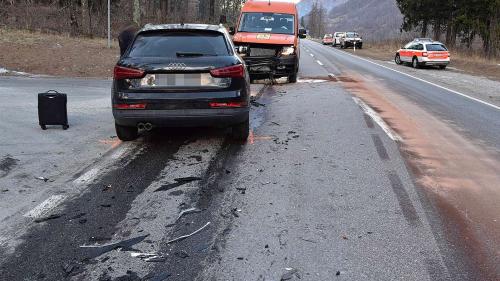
(109, 24)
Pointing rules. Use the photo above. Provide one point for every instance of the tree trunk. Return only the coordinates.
(423, 33)
(85, 17)
(137, 12)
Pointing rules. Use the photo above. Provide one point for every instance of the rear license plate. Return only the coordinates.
(180, 80)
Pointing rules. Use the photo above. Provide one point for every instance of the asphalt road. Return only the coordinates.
(319, 192)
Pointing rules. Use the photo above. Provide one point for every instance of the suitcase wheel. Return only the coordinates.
(43, 127)
(65, 127)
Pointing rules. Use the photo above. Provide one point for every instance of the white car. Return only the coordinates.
(336, 38)
(423, 51)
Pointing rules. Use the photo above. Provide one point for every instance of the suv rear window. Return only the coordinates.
(173, 43)
(436, 47)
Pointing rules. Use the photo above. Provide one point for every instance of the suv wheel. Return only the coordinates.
(292, 78)
(126, 133)
(397, 59)
(415, 63)
(241, 131)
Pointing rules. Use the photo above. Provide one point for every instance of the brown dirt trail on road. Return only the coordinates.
(460, 176)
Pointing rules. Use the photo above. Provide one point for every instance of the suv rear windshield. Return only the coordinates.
(175, 43)
(352, 35)
(267, 23)
(436, 47)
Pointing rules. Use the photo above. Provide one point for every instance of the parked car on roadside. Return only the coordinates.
(351, 39)
(180, 75)
(336, 38)
(423, 51)
(327, 39)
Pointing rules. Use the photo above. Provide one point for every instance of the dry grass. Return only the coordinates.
(470, 62)
(57, 55)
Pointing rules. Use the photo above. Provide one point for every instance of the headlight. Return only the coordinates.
(286, 51)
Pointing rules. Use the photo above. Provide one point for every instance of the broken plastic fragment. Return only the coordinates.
(188, 235)
(42, 179)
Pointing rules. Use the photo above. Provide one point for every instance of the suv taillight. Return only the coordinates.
(121, 72)
(235, 71)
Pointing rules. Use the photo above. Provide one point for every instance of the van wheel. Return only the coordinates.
(397, 59)
(442, 67)
(292, 78)
(241, 131)
(126, 133)
(415, 63)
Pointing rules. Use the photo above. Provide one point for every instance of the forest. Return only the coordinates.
(89, 17)
(453, 20)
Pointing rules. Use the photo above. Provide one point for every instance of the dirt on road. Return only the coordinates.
(56, 55)
(459, 176)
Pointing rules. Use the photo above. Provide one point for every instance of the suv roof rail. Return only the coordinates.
(423, 39)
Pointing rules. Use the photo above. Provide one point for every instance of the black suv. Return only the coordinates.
(180, 75)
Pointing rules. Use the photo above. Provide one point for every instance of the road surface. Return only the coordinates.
(357, 172)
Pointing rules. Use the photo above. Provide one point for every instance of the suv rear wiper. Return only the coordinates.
(189, 54)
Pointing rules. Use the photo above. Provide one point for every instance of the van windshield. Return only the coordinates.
(267, 23)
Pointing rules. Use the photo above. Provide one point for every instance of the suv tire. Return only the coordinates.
(125, 133)
(240, 132)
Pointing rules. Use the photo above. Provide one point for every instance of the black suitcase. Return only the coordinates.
(52, 109)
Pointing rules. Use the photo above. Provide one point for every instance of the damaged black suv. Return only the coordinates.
(180, 75)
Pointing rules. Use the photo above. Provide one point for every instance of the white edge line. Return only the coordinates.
(425, 81)
(311, 55)
(45, 206)
(88, 175)
(320, 63)
(370, 112)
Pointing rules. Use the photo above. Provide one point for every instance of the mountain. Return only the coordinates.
(306, 5)
(373, 19)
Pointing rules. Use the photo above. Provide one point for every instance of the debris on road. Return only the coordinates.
(183, 213)
(242, 190)
(178, 182)
(235, 212)
(188, 235)
(291, 272)
(106, 187)
(275, 123)
(181, 254)
(149, 257)
(125, 245)
(338, 273)
(42, 179)
(48, 218)
(256, 103)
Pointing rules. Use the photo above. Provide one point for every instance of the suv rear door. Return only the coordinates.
(181, 69)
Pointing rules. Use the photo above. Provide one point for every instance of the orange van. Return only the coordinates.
(267, 36)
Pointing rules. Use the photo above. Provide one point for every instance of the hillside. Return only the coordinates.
(305, 5)
(374, 19)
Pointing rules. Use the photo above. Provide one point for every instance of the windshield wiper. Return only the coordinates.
(188, 54)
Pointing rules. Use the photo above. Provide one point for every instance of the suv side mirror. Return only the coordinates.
(232, 30)
(302, 33)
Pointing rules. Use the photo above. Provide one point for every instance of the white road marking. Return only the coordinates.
(45, 206)
(320, 63)
(88, 175)
(425, 81)
(311, 81)
(312, 55)
(374, 115)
